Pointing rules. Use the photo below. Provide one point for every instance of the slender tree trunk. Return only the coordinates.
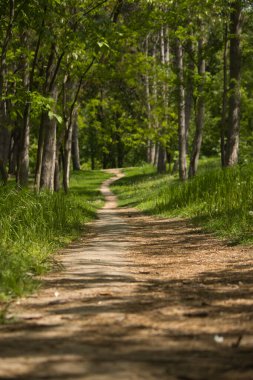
(150, 143)
(23, 160)
(189, 89)
(161, 163)
(75, 148)
(23, 164)
(181, 112)
(200, 111)
(14, 149)
(155, 121)
(40, 151)
(67, 151)
(232, 148)
(57, 184)
(4, 153)
(23, 172)
(4, 132)
(224, 99)
(49, 155)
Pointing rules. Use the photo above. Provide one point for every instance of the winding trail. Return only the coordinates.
(139, 298)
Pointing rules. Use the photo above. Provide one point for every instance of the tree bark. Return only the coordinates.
(232, 148)
(161, 162)
(47, 148)
(181, 112)
(75, 148)
(67, 150)
(150, 143)
(224, 99)
(49, 155)
(23, 164)
(200, 111)
(4, 153)
(189, 89)
(13, 153)
(4, 132)
(40, 152)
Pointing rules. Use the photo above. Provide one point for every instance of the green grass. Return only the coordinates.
(219, 200)
(33, 226)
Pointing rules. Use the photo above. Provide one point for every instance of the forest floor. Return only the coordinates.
(137, 298)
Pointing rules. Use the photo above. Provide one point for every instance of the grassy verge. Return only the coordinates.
(219, 200)
(33, 226)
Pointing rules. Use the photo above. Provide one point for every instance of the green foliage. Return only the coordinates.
(220, 200)
(33, 226)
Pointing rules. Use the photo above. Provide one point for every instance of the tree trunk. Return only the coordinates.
(5, 138)
(181, 112)
(119, 145)
(161, 161)
(189, 89)
(49, 155)
(40, 152)
(23, 160)
(14, 149)
(75, 148)
(232, 148)
(200, 111)
(47, 144)
(67, 150)
(150, 142)
(23, 166)
(57, 184)
(224, 99)
(4, 132)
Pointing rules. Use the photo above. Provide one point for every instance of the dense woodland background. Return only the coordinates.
(120, 82)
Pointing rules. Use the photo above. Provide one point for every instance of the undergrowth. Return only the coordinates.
(33, 226)
(219, 200)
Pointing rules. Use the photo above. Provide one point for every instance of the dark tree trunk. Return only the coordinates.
(4, 132)
(5, 138)
(14, 149)
(75, 148)
(57, 184)
(161, 162)
(232, 148)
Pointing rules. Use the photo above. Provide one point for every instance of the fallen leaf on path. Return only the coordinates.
(218, 339)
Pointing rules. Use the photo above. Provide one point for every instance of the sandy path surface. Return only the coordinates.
(139, 298)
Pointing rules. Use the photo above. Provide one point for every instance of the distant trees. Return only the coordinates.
(118, 82)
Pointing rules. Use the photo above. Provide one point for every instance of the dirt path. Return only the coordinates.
(140, 298)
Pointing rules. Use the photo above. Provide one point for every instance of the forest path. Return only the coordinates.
(140, 298)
